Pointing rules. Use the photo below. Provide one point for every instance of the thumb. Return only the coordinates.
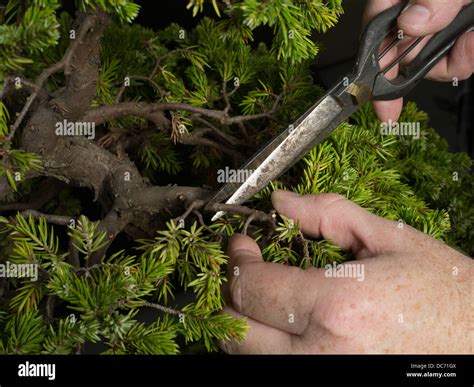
(346, 224)
(423, 17)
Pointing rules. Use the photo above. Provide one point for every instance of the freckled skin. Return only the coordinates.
(411, 300)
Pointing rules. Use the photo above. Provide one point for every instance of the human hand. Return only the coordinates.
(415, 297)
(424, 17)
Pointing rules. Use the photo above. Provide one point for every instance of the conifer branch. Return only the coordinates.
(28, 84)
(102, 114)
(225, 136)
(196, 137)
(54, 219)
(247, 223)
(219, 235)
(257, 215)
(63, 64)
(163, 308)
(149, 79)
(226, 95)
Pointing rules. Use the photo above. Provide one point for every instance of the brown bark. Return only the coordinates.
(116, 183)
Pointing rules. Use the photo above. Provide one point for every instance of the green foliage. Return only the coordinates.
(440, 178)
(86, 238)
(292, 22)
(101, 295)
(125, 10)
(68, 335)
(37, 30)
(32, 239)
(104, 298)
(22, 334)
(158, 154)
(4, 117)
(196, 261)
(155, 339)
(379, 173)
(198, 5)
(221, 327)
(16, 162)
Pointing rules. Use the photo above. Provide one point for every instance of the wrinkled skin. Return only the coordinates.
(416, 295)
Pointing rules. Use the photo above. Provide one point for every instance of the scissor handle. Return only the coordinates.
(438, 46)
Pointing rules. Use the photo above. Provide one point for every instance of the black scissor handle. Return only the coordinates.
(379, 28)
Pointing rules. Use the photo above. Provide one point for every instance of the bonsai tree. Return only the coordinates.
(112, 138)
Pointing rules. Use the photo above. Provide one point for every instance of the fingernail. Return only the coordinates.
(236, 296)
(415, 15)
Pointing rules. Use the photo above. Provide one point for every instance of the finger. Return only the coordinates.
(423, 17)
(374, 7)
(261, 339)
(388, 110)
(459, 63)
(348, 225)
(276, 295)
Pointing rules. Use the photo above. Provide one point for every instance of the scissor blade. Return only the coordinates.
(284, 151)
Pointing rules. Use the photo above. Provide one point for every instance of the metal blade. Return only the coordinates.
(284, 151)
(311, 128)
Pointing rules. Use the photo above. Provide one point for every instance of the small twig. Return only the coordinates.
(29, 85)
(139, 77)
(163, 308)
(247, 223)
(118, 98)
(55, 219)
(187, 212)
(251, 117)
(196, 138)
(88, 268)
(73, 257)
(219, 235)
(230, 139)
(305, 243)
(50, 305)
(227, 95)
(172, 52)
(101, 114)
(243, 130)
(258, 215)
(252, 215)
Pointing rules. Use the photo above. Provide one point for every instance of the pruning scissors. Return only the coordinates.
(366, 82)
